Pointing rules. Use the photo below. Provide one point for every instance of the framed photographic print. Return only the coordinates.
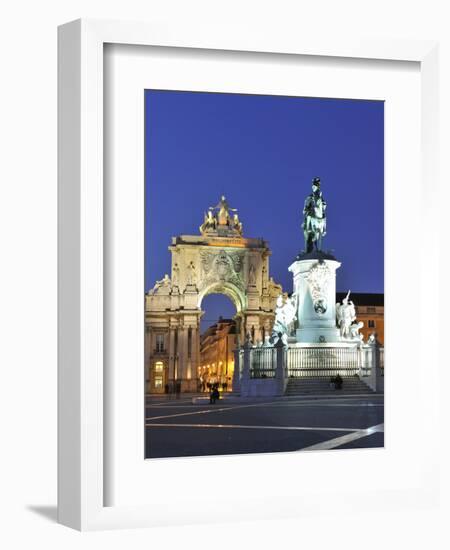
(234, 275)
(233, 303)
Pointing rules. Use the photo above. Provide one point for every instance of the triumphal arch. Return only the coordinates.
(219, 260)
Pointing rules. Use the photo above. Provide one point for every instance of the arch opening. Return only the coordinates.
(226, 289)
(218, 341)
(215, 307)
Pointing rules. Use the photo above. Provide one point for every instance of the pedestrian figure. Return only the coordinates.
(214, 394)
(338, 382)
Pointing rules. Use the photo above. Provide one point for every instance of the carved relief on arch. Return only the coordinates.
(222, 266)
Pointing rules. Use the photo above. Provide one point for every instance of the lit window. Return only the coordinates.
(159, 366)
(158, 382)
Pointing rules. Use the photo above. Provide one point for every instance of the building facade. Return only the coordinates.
(217, 345)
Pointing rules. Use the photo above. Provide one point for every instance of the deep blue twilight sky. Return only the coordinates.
(262, 152)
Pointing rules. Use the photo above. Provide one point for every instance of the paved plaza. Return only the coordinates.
(176, 427)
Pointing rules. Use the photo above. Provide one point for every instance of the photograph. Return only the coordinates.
(264, 273)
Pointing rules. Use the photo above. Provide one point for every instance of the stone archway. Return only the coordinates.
(229, 290)
(218, 260)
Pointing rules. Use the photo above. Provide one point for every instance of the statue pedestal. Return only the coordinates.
(315, 285)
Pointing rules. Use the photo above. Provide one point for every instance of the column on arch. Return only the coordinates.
(172, 351)
(182, 354)
(195, 354)
(147, 358)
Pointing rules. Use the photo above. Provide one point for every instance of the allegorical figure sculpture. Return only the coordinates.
(223, 215)
(164, 283)
(314, 218)
(251, 275)
(220, 219)
(191, 277)
(209, 222)
(355, 327)
(175, 274)
(237, 224)
(285, 314)
(346, 317)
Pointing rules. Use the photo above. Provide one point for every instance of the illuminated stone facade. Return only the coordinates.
(217, 346)
(219, 260)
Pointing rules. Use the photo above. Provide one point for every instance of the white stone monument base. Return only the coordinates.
(333, 345)
(316, 335)
(315, 286)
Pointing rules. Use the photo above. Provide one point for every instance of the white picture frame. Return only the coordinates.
(82, 483)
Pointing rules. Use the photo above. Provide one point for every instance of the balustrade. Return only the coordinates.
(308, 361)
(263, 362)
(322, 362)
